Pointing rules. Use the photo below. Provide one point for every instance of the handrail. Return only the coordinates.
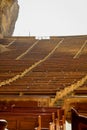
(10, 43)
(68, 89)
(80, 50)
(29, 49)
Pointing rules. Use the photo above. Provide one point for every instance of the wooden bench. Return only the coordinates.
(28, 120)
(44, 121)
(52, 121)
(26, 115)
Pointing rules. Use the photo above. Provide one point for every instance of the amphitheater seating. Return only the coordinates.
(36, 89)
(30, 118)
(57, 72)
(79, 122)
(45, 120)
(81, 91)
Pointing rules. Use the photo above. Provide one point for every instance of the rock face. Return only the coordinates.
(8, 15)
(3, 49)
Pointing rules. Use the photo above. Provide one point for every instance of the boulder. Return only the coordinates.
(9, 10)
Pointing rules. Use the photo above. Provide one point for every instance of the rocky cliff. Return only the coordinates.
(9, 10)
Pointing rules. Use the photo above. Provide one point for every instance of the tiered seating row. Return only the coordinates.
(69, 45)
(42, 81)
(57, 72)
(22, 116)
(41, 77)
(16, 49)
(57, 65)
(19, 47)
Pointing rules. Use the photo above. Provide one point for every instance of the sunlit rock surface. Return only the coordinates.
(9, 10)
